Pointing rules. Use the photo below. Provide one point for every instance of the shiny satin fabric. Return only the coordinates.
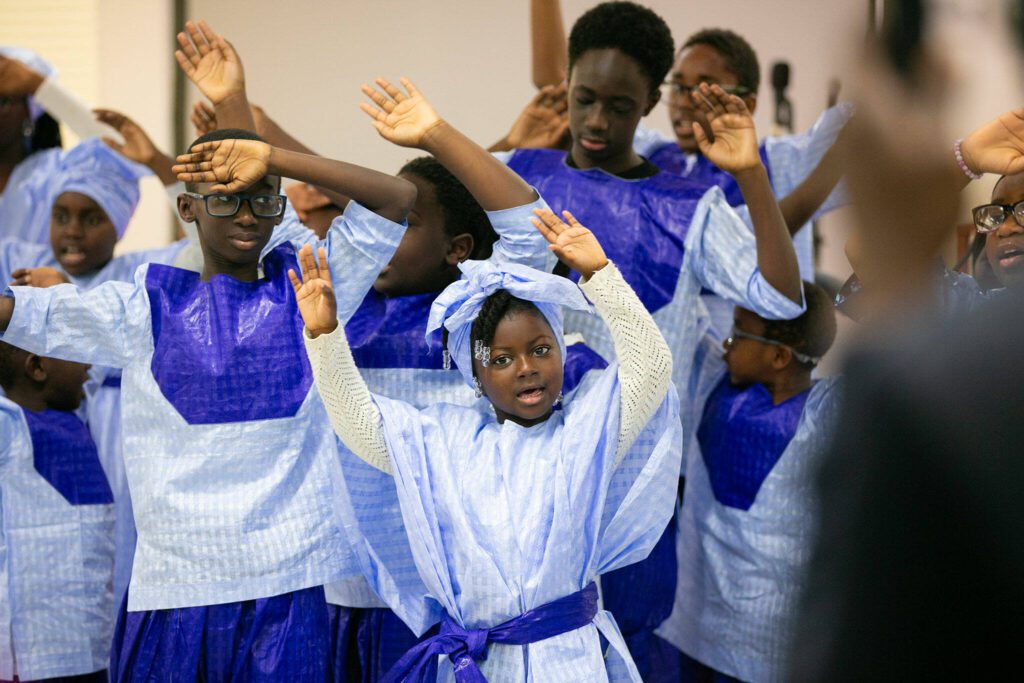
(366, 643)
(56, 547)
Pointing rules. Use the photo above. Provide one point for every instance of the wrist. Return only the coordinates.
(327, 329)
(235, 97)
(591, 271)
(964, 159)
(434, 137)
(751, 174)
(33, 82)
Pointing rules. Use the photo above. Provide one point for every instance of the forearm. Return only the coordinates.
(776, 257)
(547, 41)
(501, 145)
(233, 112)
(800, 205)
(385, 195)
(6, 311)
(350, 407)
(493, 184)
(645, 362)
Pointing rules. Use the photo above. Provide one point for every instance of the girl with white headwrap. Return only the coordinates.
(512, 507)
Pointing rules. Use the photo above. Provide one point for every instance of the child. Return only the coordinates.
(56, 527)
(225, 457)
(748, 517)
(504, 503)
(30, 136)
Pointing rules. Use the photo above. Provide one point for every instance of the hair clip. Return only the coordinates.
(486, 360)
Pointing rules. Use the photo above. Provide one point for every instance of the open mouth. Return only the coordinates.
(1011, 257)
(72, 255)
(531, 396)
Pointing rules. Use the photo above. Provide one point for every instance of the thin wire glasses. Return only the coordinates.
(737, 333)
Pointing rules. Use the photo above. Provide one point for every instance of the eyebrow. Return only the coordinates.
(532, 342)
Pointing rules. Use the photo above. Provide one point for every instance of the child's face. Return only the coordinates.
(426, 258)
(524, 376)
(236, 240)
(81, 235)
(749, 361)
(62, 388)
(695, 65)
(608, 95)
(1004, 247)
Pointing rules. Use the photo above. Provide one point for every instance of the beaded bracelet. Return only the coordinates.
(963, 164)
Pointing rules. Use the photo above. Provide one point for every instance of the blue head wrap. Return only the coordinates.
(95, 170)
(34, 62)
(459, 304)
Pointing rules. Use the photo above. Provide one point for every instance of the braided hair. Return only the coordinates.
(495, 308)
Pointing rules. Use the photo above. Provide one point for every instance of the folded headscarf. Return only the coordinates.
(92, 169)
(459, 304)
(34, 62)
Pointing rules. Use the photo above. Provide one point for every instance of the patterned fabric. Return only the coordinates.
(280, 638)
(18, 207)
(56, 557)
(741, 569)
(741, 436)
(230, 511)
(669, 158)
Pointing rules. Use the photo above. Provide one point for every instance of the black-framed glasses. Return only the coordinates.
(227, 205)
(737, 333)
(679, 89)
(988, 217)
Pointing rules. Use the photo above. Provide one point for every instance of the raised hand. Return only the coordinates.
(315, 292)
(998, 146)
(16, 79)
(210, 62)
(544, 123)
(734, 147)
(405, 119)
(573, 244)
(203, 118)
(232, 165)
(137, 146)
(38, 277)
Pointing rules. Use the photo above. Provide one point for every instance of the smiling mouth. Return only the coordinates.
(531, 396)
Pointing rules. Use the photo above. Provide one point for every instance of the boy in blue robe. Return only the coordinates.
(749, 516)
(226, 448)
(56, 526)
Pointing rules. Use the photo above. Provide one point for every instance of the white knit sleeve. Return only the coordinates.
(645, 362)
(355, 417)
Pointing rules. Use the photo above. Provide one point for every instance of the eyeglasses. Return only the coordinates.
(989, 217)
(680, 89)
(227, 205)
(737, 333)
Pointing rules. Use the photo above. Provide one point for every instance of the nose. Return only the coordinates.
(525, 366)
(73, 228)
(244, 215)
(595, 119)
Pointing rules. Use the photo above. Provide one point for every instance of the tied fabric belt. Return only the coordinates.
(467, 647)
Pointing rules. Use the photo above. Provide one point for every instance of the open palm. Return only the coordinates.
(998, 146)
(232, 164)
(572, 243)
(210, 62)
(402, 118)
(734, 147)
(544, 123)
(315, 292)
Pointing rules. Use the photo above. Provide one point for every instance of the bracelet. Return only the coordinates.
(963, 164)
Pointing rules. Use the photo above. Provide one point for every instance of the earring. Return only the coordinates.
(479, 387)
(558, 399)
(28, 129)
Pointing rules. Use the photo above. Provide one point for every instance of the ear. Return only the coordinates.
(34, 369)
(751, 102)
(653, 100)
(460, 248)
(187, 208)
(781, 357)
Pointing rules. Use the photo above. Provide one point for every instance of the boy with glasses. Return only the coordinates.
(748, 515)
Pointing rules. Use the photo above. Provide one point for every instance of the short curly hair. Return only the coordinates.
(630, 28)
(740, 57)
(813, 332)
(222, 134)
(462, 213)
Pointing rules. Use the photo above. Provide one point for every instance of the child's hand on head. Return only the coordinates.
(734, 144)
(544, 123)
(16, 79)
(137, 146)
(998, 146)
(405, 119)
(210, 62)
(573, 244)
(232, 164)
(38, 277)
(315, 292)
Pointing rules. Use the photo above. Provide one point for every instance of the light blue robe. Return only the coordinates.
(225, 511)
(17, 207)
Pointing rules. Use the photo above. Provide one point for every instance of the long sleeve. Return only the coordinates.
(64, 106)
(359, 244)
(645, 362)
(519, 241)
(350, 407)
(721, 253)
(107, 325)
